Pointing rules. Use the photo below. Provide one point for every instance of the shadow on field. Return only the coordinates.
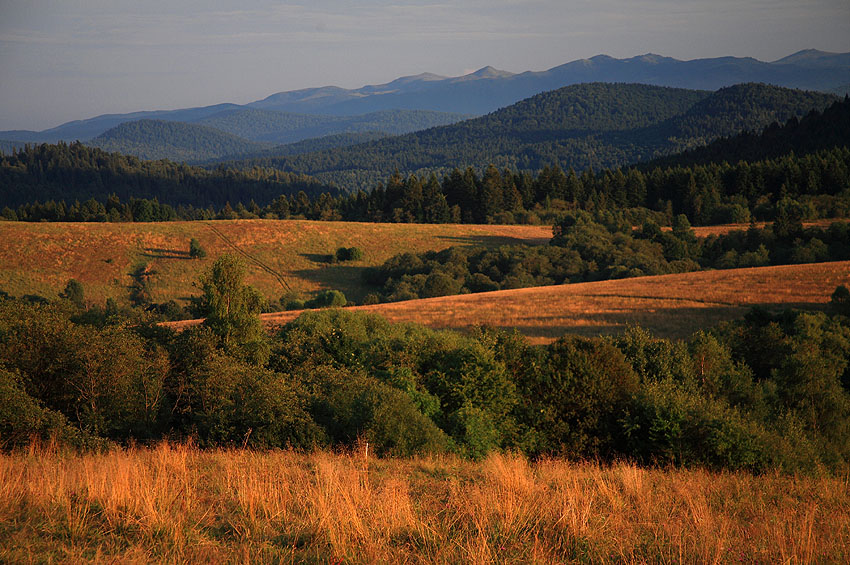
(157, 253)
(667, 323)
(347, 278)
(490, 240)
(316, 257)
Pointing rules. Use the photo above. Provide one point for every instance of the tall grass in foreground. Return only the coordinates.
(177, 504)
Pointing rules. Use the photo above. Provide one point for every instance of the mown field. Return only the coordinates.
(175, 504)
(670, 306)
(282, 255)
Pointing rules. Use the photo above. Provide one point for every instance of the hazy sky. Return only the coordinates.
(74, 59)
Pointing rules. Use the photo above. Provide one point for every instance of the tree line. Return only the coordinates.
(605, 246)
(708, 194)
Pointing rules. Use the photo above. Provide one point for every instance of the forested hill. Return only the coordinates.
(595, 125)
(284, 128)
(77, 172)
(816, 131)
(157, 139)
(247, 132)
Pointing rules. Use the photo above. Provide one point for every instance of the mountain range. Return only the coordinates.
(287, 117)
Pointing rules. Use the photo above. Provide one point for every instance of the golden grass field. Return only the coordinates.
(175, 504)
(40, 258)
(670, 306)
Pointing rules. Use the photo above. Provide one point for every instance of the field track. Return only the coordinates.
(668, 305)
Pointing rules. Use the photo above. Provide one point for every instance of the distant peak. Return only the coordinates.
(806, 55)
(651, 58)
(488, 72)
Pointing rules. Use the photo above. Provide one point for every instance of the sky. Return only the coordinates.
(75, 59)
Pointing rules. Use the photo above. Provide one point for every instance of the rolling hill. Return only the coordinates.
(69, 172)
(669, 306)
(176, 141)
(282, 255)
(816, 131)
(595, 125)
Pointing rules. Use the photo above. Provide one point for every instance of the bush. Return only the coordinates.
(669, 424)
(352, 406)
(195, 249)
(575, 396)
(74, 292)
(327, 299)
(349, 254)
(23, 419)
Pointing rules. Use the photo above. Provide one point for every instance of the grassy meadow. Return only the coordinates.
(282, 255)
(175, 504)
(670, 306)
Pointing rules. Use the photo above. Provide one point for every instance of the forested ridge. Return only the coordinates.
(582, 126)
(807, 163)
(69, 172)
(177, 141)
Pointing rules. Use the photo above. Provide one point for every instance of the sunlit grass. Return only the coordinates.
(40, 258)
(670, 306)
(176, 504)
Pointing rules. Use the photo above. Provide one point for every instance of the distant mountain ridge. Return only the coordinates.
(489, 89)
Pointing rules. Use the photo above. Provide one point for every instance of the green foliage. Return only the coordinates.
(232, 308)
(225, 401)
(354, 407)
(669, 424)
(79, 183)
(839, 302)
(195, 249)
(769, 392)
(349, 254)
(107, 381)
(327, 299)
(23, 419)
(573, 394)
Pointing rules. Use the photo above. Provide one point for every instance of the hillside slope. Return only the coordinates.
(282, 255)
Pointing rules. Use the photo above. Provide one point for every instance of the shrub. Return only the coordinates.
(575, 397)
(195, 249)
(352, 406)
(23, 419)
(349, 254)
(74, 292)
(327, 299)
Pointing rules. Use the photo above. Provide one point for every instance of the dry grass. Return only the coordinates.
(671, 306)
(173, 504)
(41, 258)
